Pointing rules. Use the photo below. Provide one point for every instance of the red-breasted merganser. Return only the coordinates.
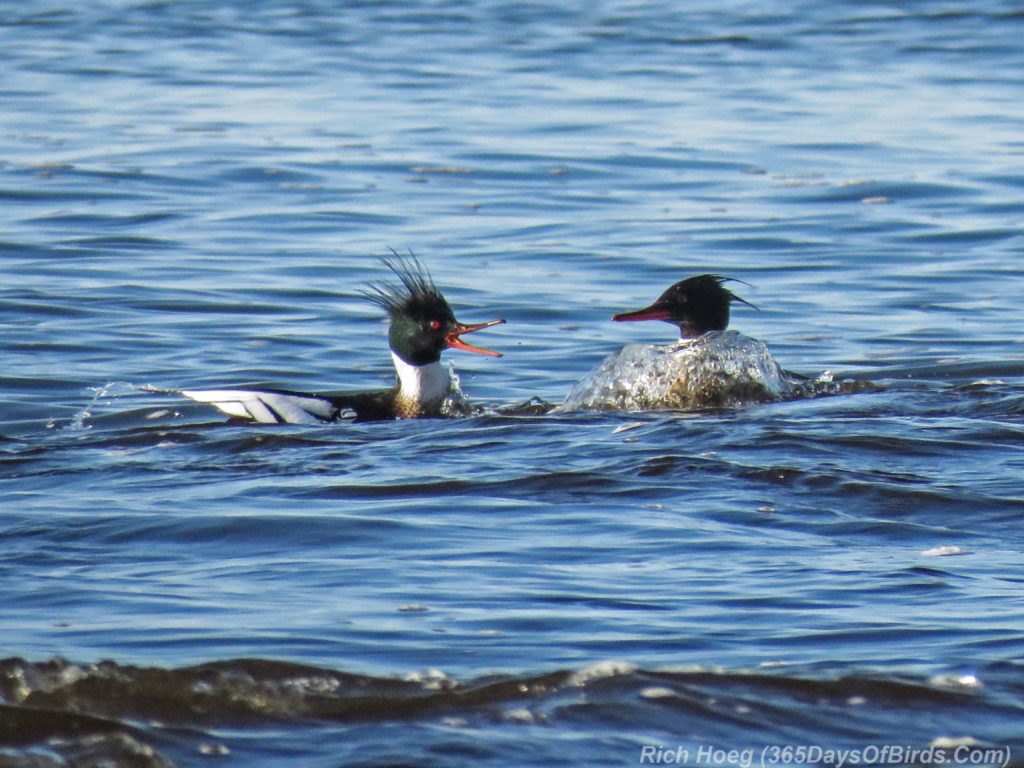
(422, 326)
(697, 305)
(708, 367)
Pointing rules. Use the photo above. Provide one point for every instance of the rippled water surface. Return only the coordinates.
(191, 195)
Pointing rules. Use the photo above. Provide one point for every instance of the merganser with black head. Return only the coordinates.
(709, 367)
(422, 326)
(697, 305)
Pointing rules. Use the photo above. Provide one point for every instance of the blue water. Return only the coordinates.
(192, 194)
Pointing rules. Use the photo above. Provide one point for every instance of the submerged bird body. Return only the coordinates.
(422, 327)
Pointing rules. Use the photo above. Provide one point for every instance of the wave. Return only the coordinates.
(110, 710)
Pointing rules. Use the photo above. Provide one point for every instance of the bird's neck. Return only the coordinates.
(421, 388)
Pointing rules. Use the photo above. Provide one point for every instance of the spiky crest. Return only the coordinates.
(415, 287)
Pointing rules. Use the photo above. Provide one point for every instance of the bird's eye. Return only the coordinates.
(435, 325)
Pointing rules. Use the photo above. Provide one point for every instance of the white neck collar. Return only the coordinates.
(422, 383)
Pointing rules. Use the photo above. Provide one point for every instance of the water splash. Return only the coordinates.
(456, 404)
(721, 369)
(102, 396)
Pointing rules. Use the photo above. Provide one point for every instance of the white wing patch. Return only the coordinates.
(266, 407)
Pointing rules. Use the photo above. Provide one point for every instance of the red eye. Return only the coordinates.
(435, 325)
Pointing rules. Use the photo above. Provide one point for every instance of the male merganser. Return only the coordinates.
(709, 367)
(697, 305)
(422, 326)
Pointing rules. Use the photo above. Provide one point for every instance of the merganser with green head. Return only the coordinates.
(422, 326)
